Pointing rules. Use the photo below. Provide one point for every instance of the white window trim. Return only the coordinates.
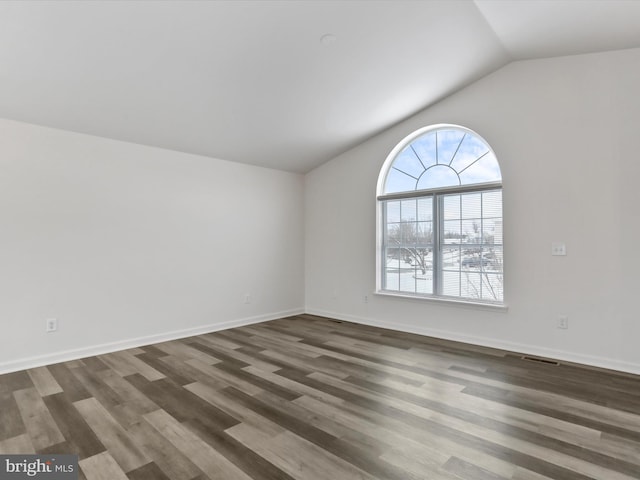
(445, 301)
(380, 195)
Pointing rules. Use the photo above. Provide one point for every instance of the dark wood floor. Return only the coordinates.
(308, 398)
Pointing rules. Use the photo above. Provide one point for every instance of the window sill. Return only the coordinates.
(501, 307)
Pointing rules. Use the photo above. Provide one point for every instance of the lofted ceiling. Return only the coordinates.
(281, 84)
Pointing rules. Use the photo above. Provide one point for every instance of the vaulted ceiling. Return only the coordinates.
(282, 84)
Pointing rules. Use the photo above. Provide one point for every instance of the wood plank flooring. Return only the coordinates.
(309, 398)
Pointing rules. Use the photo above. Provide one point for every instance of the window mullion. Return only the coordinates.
(437, 259)
(383, 252)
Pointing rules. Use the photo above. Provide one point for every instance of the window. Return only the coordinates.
(440, 218)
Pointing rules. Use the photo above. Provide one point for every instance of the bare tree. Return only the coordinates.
(414, 241)
(488, 278)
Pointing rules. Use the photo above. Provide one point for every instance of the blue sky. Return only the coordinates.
(442, 158)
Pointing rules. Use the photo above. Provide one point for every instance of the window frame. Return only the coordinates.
(437, 194)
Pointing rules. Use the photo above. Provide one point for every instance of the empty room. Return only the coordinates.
(319, 240)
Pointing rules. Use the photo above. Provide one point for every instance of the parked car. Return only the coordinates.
(475, 262)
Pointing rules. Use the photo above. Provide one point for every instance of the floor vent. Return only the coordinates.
(541, 360)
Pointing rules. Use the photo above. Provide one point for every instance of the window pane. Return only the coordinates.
(407, 276)
(408, 245)
(452, 232)
(451, 283)
(492, 231)
(451, 205)
(425, 209)
(408, 233)
(475, 269)
(471, 230)
(485, 169)
(492, 259)
(492, 287)
(393, 210)
(473, 260)
(408, 210)
(424, 237)
(392, 234)
(408, 162)
(424, 282)
(492, 204)
(397, 181)
(425, 147)
(448, 144)
(471, 149)
(419, 258)
(471, 205)
(470, 285)
(392, 269)
(450, 257)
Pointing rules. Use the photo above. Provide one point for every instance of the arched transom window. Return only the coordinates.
(440, 217)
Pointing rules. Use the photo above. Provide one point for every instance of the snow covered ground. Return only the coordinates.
(476, 279)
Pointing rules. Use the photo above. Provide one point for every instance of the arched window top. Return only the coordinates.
(436, 157)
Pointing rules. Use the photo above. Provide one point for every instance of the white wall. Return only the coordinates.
(565, 131)
(126, 244)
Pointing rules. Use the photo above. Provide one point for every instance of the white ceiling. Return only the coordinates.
(250, 81)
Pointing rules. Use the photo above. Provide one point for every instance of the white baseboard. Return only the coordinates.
(38, 361)
(590, 360)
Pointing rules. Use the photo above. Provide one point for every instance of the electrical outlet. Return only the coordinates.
(558, 249)
(563, 322)
(247, 298)
(51, 325)
(366, 299)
